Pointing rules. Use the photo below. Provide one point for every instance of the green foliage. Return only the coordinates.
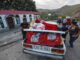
(27, 5)
(45, 16)
(78, 19)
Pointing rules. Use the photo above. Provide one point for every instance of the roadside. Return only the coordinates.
(8, 32)
(10, 36)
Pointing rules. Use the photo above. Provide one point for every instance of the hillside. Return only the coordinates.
(44, 10)
(68, 10)
(65, 10)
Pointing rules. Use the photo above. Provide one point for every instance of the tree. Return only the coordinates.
(27, 5)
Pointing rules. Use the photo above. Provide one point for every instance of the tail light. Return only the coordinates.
(57, 51)
(27, 46)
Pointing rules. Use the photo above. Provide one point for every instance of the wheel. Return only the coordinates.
(23, 50)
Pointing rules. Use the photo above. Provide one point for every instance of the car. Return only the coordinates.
(46, 42)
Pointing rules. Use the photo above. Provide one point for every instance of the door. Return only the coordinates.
(10, 22)
(1, 23)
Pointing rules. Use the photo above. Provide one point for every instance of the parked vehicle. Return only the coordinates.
(46, 42)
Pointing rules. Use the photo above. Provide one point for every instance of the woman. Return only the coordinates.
(74, 33)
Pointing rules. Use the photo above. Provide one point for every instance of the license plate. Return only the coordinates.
(41, 48)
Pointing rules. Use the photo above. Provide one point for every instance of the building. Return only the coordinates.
(10, 19)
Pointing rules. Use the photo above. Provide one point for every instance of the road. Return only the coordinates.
(14, 52)
(10, 36)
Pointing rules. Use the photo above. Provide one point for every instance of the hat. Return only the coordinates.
(37, 21)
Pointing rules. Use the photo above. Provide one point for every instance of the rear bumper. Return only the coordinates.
(60, 57)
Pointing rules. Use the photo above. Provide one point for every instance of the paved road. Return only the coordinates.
(14, 52)
(10, 36)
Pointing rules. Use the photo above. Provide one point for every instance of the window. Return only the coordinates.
(17, 19)
(24, 18)
(35, 17)
(30, 16)
(1, 23)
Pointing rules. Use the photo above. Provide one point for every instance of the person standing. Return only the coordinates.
(64, 28)
(24, 25)
(78, 24)
(64, 21)
(74, 33)
(59, 21)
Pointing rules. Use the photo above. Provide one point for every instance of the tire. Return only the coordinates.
(63, 58)
(23, 50)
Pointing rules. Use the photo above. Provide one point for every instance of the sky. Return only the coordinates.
(54, 4)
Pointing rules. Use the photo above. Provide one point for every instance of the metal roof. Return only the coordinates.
(17, 12)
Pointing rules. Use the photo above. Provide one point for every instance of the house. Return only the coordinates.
(10, 19)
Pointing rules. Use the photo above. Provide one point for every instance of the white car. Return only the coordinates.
(48, 43)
